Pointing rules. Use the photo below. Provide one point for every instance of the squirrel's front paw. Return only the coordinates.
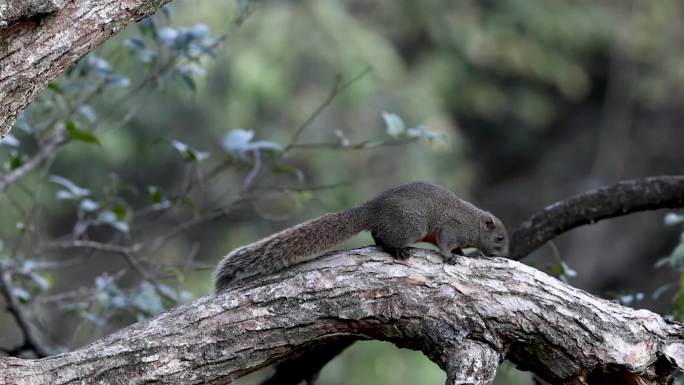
(450, 259)
(401, 254)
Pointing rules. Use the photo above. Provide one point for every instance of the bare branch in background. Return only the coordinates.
(250, 179)
(44, 152)
(365, 145)
(83, 244)
(127, 252)
(338, 87)
(620, 199)
(31, 340)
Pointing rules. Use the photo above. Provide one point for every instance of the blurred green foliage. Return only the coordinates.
(485, 85)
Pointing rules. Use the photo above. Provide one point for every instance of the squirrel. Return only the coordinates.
(398, 217)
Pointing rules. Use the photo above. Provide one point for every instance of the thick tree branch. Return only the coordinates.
(466, 317)
(33, 52)
(623, 198)
(620, 199)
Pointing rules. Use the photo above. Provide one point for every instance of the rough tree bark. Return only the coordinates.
(34, 51)
(466, 317)
(622, 198)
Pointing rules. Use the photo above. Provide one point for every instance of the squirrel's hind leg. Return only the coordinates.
(401, 253)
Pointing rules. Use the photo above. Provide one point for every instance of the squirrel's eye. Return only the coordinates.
(500, 238)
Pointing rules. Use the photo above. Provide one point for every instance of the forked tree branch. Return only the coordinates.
(466, 317)
(623, 198)
(620, 199)
(33, 52)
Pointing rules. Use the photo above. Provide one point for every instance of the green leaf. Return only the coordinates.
(16, 160)
(555, 269)
(88, 205)
(81, 135)
(157, 198)
(191, 204)
(678, 300)
(10, 140)
(672, 219)
(394, 125)
(40, 280)
(285, 169)
(71, 190)
(56, 88)
(120, 211)
(155, 195)
(299, 198)
(567, 271)
(21, 294)
(188, 153)
(422, 132)
(237, 139)
(677, 256)
(110, 218)
(190, 82)
(657, 293)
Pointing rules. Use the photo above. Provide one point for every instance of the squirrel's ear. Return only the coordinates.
(489, 222)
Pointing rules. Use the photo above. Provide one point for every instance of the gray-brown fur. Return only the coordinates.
(396, 218)
(289, 247)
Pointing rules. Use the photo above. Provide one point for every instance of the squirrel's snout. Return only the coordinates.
(498, 251)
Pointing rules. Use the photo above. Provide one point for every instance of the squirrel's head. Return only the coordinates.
(493, 236)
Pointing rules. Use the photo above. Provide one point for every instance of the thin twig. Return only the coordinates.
(84, 244)
(338, 87)
(66, 295)
(158, 71)
(127, 252)
(31, 341)
(43, 153)
(365, 145)
(254, 173)
(213, 214)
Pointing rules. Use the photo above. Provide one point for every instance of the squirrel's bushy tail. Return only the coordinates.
(290, 246)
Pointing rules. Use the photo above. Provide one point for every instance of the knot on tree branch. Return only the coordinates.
(466, 317)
